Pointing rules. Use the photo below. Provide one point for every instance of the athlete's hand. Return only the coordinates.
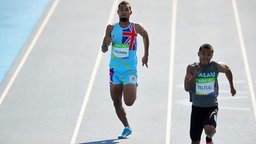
(145, 61)
(106, 43)
(233, 90)
(104, 47)
(197, 69)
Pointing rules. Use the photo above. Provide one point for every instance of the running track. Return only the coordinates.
(56, 90)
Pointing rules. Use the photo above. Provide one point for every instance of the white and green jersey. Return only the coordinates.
(206, 89)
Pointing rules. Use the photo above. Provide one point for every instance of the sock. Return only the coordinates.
(208, 139)
(127, 127)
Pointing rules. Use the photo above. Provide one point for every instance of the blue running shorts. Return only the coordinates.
(122, 77)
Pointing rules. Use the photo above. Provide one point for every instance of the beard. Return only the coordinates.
(123, 19)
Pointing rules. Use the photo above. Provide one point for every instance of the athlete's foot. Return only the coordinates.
(126, 132)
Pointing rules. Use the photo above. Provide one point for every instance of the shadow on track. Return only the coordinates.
(108, 141)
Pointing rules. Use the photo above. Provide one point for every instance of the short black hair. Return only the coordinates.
(206, 46)
(125, 3)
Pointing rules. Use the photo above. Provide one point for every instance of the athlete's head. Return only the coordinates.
(124, 11)
(205, 54)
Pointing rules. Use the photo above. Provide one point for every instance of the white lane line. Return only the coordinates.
(234, 108)
(185, 102)
(91, 82)
(171, 67)
(245, 58)
(30, 48)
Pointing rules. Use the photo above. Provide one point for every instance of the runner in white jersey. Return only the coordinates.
(123, 61)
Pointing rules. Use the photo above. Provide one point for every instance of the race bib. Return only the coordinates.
(121, 50)
(205, 86)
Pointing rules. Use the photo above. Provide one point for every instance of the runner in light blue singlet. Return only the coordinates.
(123, 59)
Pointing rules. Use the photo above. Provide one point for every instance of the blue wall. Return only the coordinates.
(17, 20)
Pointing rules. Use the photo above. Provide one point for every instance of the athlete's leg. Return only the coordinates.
(211, 123)
(210, 126)
(116, 95)
(130, 87)
(130, 91)
(196, 125)
(209, 130)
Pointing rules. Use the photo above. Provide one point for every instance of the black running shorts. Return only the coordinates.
(201, 116)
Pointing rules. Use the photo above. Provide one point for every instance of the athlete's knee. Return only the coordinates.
(209, 130)
(129, 99)
(129, 103)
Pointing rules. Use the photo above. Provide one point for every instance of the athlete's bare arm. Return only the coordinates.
(107, 38)
(189, 77)
(140, 30)
(225, 69)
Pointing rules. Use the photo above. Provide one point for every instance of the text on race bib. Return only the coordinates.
(121, 50)
(205, 86)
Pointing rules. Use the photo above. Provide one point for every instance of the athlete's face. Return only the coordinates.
(124, 12)
(205, 56)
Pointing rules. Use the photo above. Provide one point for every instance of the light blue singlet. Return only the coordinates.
(124, 48)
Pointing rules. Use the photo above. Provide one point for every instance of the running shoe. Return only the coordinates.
(126, 132)
(211, 142)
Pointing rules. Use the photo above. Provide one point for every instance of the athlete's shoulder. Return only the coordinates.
(140, 29)
(136, 23)
(222, 67)
(138, 26)
(214, 62)
(110, 27)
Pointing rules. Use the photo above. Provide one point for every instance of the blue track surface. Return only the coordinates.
(17, 20)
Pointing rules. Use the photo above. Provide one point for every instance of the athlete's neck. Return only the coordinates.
(124, 24)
